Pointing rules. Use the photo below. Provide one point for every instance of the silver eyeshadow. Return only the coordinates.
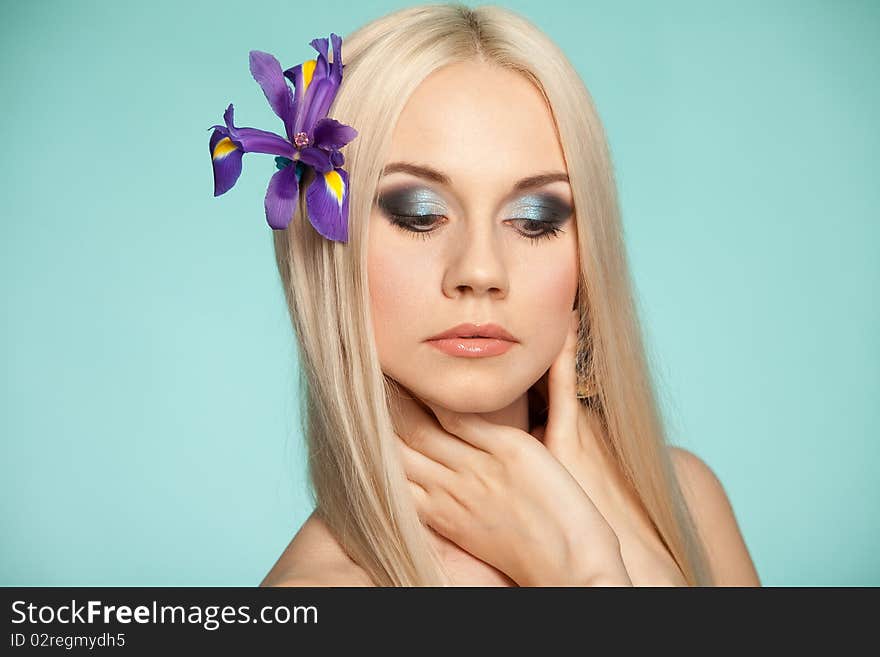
(412, 201)
(420, 201)
(541, 207)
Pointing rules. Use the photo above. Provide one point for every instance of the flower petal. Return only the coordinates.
(327, 203)
(281, 198)
(301, 76)
(226, 161)
(253, 140)
(316, 158)
(331, 135)
(318, 101)
(313, 97)
(336, 66)
(321, 46)
(322, 62)
(267, 72)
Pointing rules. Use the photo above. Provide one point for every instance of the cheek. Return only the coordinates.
(398, 281)
(549, 285)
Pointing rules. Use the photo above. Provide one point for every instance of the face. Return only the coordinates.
(473, 223)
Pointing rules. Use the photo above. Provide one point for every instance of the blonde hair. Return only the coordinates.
(355, 474)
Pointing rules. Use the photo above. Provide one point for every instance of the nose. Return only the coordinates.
(476, 263)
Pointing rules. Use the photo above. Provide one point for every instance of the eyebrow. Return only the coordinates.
(529, 182)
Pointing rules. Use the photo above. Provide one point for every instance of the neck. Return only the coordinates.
(526, 412)
(514, 415)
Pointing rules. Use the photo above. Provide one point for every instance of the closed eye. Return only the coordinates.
(423, 226)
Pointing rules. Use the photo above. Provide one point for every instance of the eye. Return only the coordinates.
(546, 229)
(422, 226)
(417, 225)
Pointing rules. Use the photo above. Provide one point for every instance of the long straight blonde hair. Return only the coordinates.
(359, 487)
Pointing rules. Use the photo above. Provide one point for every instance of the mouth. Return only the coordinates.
(470, 331)
(474, 341)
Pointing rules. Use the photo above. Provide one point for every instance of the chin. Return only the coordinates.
(472, 406)
(472, 397)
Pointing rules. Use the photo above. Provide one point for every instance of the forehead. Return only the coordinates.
(478, 120)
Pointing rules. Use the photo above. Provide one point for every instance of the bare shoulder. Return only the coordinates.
(315, 558)
(716, 521)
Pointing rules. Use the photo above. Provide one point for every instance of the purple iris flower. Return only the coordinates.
(312, 140)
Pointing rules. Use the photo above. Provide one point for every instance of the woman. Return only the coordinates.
(482, 192)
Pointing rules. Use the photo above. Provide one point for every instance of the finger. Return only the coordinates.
(424, 471)
(436, 510)
(562, 417)
(420, 498)
(472, 428)
(422, 432)
(422, 502)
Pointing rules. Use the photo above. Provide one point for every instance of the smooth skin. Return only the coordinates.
(570, 545)
(569, 516)
(508, 499)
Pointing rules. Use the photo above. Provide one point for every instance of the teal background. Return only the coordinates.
(149, 427)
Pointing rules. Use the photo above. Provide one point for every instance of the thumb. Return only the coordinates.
(562, 416)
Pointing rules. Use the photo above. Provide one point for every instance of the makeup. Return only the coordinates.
(472, 347)
(418, 210)
(540, 207)
(412, 202)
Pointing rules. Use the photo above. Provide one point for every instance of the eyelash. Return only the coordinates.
(401, 221)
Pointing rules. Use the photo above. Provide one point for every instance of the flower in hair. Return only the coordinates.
(313, 140)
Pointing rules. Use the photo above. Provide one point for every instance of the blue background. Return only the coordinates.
(149, 427)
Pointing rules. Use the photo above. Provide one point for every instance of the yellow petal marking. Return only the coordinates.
(223, 148)
(335, 184)
(308, 69)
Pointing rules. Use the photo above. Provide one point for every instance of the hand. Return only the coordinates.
(570, 434)
(501, 495)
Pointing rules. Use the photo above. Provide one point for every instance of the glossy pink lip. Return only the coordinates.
(475, 330)
(473, 341)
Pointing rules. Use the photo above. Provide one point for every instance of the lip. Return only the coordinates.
(492, 340)
(469, 330)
